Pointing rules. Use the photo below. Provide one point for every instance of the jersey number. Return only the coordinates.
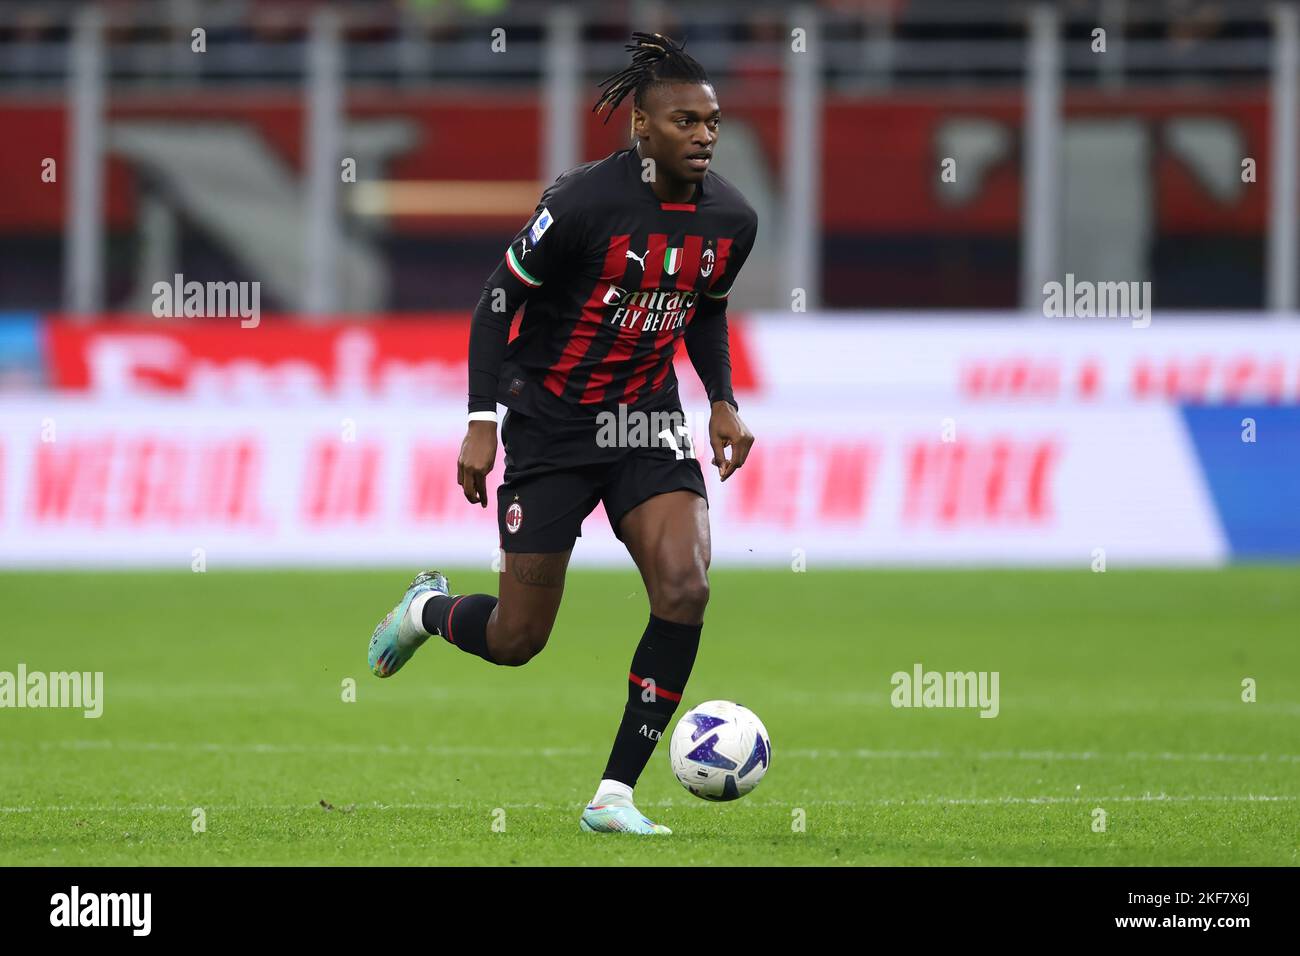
(686, 449)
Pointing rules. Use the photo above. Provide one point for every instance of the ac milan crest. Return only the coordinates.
(514, 516)
(706, 262)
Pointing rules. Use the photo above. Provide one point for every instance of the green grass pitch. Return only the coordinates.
(223, 691)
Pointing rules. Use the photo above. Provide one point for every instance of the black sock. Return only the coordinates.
(461, 620)
(660, 667)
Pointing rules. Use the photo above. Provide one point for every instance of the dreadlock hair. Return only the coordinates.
(656, 60)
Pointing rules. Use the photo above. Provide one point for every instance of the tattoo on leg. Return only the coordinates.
(538, 570)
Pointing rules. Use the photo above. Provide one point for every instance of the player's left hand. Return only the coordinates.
(726, 430)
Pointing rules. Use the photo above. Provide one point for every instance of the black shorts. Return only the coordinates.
(556, 472)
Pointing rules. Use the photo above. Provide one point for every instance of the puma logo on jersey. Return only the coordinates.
(640, 259)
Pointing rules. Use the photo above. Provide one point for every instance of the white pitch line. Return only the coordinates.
(431, 694)
(401, 750)
(1165, 755)
(487, 805)
(1129, 798)
(1138, 755)
(407, 750)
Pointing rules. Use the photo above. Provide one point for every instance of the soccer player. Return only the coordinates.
(622, 259)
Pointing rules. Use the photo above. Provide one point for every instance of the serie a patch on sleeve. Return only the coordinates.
(540, 225)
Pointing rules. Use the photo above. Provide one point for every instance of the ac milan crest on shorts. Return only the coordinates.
(514, 516)
(556, 473)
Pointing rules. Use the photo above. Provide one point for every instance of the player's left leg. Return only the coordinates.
(668, 538)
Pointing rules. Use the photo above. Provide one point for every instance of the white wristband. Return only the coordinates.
(483, 416)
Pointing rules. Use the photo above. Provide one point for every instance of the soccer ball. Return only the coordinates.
(720, 750)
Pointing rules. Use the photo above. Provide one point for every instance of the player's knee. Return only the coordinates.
(520, 644)
(683, 596)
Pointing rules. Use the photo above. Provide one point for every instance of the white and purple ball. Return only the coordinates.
(720, 750)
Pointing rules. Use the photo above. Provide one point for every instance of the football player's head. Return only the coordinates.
(675, 114)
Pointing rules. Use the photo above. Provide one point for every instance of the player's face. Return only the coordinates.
(678, 129)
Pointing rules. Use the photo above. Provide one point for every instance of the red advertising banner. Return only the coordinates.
(285, 358)
(878, 160)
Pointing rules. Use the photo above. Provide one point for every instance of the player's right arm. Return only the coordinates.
(537, 253)
(488, 331)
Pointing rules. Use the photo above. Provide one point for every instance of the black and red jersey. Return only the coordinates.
(613, 279)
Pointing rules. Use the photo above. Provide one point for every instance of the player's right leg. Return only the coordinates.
(540, 514)
(546, 494)
(531, 586)
(511, 628)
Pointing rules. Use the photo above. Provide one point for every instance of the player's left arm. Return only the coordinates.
(710, 353)
(709, 348)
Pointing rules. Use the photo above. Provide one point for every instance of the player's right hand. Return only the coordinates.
(478, 453)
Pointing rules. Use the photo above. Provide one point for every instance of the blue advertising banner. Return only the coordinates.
(1250, 455)
(21, 364)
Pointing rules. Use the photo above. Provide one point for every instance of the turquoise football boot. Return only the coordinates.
(396, 639)
(615, 814)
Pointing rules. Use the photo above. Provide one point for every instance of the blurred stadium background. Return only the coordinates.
(912, 402)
